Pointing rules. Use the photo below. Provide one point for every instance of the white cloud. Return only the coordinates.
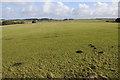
(15, 3)
(60, 10)
(58, 0)
(56, 9)
(100, 4)
(8, 8)
(47, 7)
(105, 10)
(97, 10)
(8, 12)
(30, 10)
(18, 0)
(83, 6)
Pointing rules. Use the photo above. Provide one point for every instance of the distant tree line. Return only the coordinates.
(31, 20)
(67, 19)
(114, 20)
(46, 19)
(118, 20)
(9, 22)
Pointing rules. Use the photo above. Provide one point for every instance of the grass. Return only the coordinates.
(48, 50)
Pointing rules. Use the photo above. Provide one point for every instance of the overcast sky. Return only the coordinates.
(80, 10)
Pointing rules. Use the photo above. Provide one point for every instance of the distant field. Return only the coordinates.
(48, 50)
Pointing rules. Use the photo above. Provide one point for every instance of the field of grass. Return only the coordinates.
(48, 50)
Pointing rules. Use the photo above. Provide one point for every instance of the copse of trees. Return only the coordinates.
(118, 20)
(12, 22)
(67, 19)
(34, 21)
(7, 22)
(71, 19)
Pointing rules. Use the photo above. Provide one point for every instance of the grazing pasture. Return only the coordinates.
(61, 49)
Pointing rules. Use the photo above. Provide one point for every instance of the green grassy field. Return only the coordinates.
(48, 50)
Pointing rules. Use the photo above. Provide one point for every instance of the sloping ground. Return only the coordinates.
(65, 49)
